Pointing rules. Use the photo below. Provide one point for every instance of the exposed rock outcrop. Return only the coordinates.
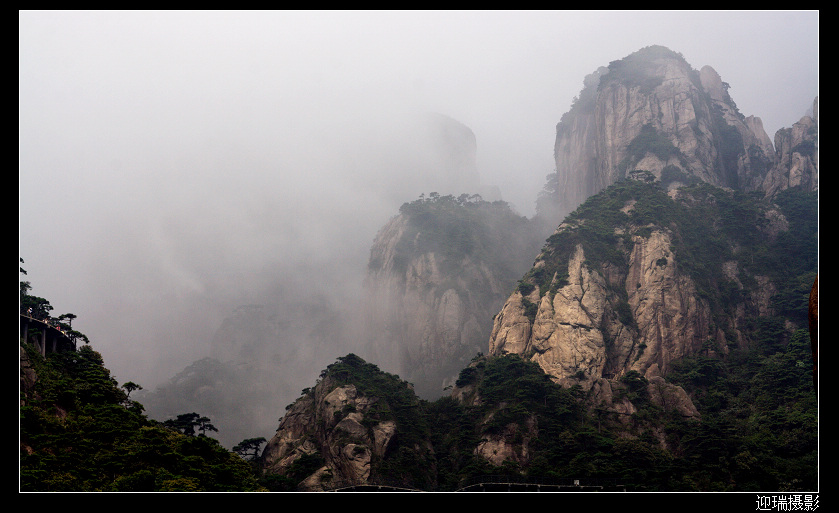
(597, 306)
(635, 280)
(652, 94)
(581, 326)
(511, 445)
(649, 116)
(347, 432)
(437, 274)
(315, 423)
(796, 156)
(653, 111)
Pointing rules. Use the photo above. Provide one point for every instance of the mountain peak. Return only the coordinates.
(652, 111)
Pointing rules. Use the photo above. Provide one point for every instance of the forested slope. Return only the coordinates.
(80, 432)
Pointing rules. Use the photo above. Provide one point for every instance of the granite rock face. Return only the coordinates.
(796, 156)
(579, 328)
(438, 272)
(652, 111)
(644, 301)
(330, 422)
(649, 116)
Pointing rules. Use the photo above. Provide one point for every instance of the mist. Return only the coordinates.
(174, 166)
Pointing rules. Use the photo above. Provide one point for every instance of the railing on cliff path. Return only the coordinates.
(498, 483)
(46, 337)
(515, 483)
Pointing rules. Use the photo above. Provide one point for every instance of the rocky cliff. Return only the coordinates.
(316, 422)
(653, 111)
(340, 432)
(688, 243)
(649, 117)
(588, 318)
(796, 161)
(637, 279)
(437, 274)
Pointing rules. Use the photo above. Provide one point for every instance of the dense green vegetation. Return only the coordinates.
(408, 458)
(758, 429)
(709, 226)
(41, 309)
(760, 416)
(467, 226)
(80, 432)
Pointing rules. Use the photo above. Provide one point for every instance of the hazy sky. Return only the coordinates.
(173, 165)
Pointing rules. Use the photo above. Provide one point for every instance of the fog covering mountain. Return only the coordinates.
(660, 338)
(255, 361)
(175, 170)
(444, 266)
